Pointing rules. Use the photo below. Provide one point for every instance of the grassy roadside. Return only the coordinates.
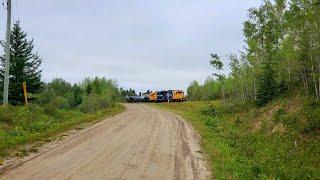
(21, 126)
(279, 141)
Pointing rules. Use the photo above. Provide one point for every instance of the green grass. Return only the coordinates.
(22, 126)
(279, 141)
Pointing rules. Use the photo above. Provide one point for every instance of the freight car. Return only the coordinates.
(134, 99)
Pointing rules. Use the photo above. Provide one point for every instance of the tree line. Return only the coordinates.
(282, 54)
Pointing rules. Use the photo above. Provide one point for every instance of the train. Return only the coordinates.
(159, 96)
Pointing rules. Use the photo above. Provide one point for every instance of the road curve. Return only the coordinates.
(140, 143)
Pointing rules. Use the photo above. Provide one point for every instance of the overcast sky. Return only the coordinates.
(142, 44)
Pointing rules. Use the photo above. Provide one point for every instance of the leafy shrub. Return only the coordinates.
(20, 115)
(312, 103)
(58, 103)
(313, 121)
(310, 117)
(209, 110)
(95, 102)
(39, 126)
(45, 97)
(75, 96)
(50, 109)
(211, 122)
(34, 109)
(312, 126)
(105, 102)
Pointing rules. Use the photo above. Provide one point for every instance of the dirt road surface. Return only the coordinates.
(140, 143)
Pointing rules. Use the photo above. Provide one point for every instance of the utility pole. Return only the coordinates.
(7, 54)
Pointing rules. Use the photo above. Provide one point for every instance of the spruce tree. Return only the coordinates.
(266, 84)
(24, 65)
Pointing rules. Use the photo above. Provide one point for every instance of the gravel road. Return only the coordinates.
(140, 143)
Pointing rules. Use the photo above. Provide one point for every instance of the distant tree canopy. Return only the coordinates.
(282, 54)
(90, 95)
(129, 92)
(24, 65)
(59, 86)
(100, 93)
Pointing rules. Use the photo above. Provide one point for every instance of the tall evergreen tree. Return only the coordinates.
(24, 65)
(266, 84)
